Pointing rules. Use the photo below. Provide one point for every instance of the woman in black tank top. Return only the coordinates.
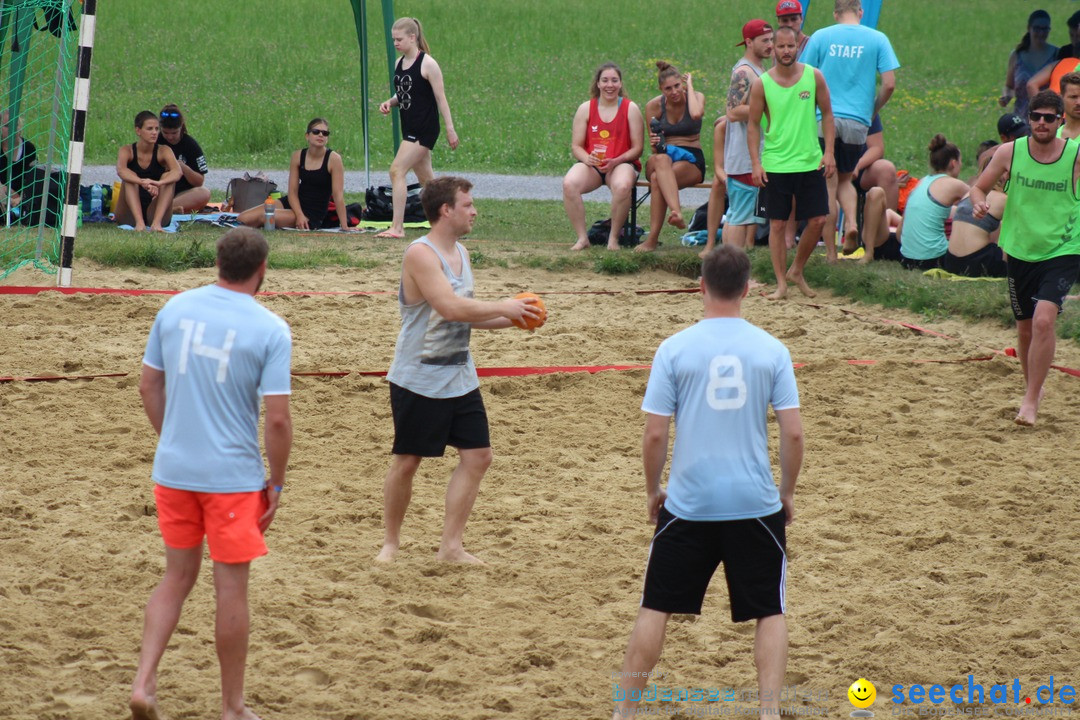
(419, 95)
(316, 174)
(676, 113)
(149, 173)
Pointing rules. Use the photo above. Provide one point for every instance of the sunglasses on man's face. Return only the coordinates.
(170, 114)
(1043, 117)
(325, 133)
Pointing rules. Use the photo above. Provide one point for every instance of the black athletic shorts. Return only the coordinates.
(909, 264)
(314, 216)
(888, 250)
(808, 190)
(846, 155)
(685, 554)
(1048, 280)
(427, 137)
(699, 159)
(425, 426)
(987, 261)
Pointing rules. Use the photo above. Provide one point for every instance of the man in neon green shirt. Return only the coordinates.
(790, 165)
(1040, 235)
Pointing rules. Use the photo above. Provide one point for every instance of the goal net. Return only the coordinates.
(39, 41)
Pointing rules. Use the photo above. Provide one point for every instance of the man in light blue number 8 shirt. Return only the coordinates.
(718, 379)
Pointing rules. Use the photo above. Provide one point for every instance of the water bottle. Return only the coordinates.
(661, 144)
(95, 199)
(268, 209)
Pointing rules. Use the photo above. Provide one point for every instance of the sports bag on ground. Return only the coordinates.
(244, 193)
(380, 204)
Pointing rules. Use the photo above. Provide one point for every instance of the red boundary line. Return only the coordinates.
(55, 378)
(1010, 352)
(483, 372)
(503, 371)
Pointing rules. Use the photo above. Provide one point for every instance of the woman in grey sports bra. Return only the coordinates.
(973, 249)
(677, 160)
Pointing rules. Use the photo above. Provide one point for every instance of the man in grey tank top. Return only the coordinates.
(434, 391)
(741, 223)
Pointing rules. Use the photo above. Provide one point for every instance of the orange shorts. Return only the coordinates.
(229, 521)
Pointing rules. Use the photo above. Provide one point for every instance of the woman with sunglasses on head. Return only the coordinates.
(316, 174)
(1030, 56)
(191, 194)
(420, 97)
(149, 173)
(677, 160)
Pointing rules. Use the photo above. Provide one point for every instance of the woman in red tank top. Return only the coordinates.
(608, 137)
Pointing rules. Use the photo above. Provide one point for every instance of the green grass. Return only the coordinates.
(250, 75)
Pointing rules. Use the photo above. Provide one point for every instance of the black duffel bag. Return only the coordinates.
(380, 204)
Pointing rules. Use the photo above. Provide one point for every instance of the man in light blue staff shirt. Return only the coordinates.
(850, 56)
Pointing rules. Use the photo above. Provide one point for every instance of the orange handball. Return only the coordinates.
(531, 323)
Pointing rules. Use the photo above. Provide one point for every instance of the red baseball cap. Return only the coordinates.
(754, 29)
(788, 7)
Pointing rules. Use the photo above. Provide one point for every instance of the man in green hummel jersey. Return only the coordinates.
(1040, 235)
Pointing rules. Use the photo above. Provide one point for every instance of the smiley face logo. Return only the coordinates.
(862, 693)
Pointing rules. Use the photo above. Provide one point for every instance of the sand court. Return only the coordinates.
(933, 538)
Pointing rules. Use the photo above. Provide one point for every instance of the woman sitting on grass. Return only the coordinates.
(922, 231)
(316, 174)
(608, 135)
(674, 119)
(149, 173)
(879, 234)
(191, 193)
(973, 248)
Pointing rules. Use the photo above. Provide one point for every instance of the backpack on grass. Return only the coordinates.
(380, 204)
(601, 229)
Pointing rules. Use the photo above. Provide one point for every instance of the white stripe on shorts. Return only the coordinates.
(647, 559)
(783, 568)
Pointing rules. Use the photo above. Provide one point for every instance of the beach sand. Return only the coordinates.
(933, 538)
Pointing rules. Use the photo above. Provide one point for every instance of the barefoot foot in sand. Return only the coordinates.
(1026, 416)
(800, 281)
(458, 556)
(386, 555)
(143, 706)
(779, 294)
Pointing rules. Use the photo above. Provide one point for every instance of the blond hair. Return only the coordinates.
(411, 26)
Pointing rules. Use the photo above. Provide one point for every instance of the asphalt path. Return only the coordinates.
(485, 185)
